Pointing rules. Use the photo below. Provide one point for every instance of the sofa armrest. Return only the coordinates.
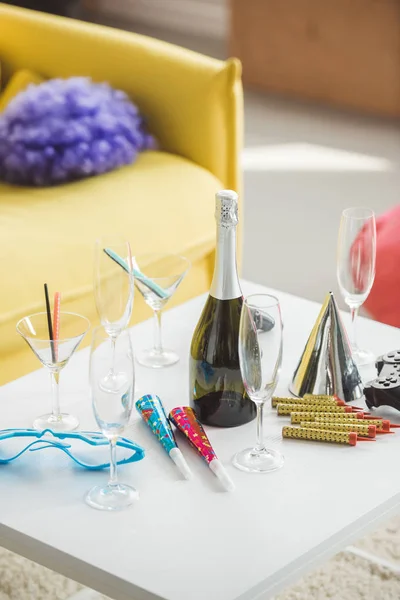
(193, 103)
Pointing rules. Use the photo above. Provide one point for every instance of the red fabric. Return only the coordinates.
(383, 302)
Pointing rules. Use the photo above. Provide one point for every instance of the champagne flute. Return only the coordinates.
(260, 358)
(113, 292)
(356, 256)
(112, 409)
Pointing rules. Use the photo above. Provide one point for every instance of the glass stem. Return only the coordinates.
(157, 331)
(113, 481)
(353, 313)
(113, 342)
(55, 407)
(260, 427)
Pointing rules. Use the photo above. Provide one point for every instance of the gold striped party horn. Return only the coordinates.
(286, 409)
(298, 417)
(362, 430)
(308, 401)
(382, 425)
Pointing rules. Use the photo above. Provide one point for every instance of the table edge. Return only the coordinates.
(72, 567)
(318, 555)
(121, 589)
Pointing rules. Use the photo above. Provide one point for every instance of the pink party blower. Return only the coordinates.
(184, 418)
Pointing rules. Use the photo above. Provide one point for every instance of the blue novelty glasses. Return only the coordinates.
(86, 448)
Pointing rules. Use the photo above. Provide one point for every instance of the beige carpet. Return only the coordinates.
(345, 577)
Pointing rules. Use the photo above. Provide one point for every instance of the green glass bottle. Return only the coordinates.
(216, 390)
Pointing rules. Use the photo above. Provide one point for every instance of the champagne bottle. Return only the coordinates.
(217, 393)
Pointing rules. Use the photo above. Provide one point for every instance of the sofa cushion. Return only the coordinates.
(18, 83)
(161, 203)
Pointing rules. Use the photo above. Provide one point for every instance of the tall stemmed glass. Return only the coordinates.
(260, 357)
(356, 256)
(113, 292)
(166, 271)
(112, 409)
(54, 355)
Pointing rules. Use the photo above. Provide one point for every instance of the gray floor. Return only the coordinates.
(303, 164)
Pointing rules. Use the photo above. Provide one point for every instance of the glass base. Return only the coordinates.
(64, 422)
(362, 357)
(112, 497)
(252, 461)
(113, 382)
(157, 360)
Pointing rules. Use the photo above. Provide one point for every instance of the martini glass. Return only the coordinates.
(54, 355)
(165, 272)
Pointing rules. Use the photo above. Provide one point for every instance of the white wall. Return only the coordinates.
(303, 165)
(202, 17)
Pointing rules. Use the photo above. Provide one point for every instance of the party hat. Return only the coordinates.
(326, 365)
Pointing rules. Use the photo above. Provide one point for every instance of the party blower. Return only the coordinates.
(184, 418)
(152, 412)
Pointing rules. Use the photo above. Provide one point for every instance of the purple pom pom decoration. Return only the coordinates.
(66, 129)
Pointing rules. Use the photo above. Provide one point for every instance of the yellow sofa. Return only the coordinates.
(163, 202)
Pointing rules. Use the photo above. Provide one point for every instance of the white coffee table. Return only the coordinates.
(190, 540)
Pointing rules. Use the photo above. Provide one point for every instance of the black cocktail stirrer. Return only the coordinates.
(49, 323)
